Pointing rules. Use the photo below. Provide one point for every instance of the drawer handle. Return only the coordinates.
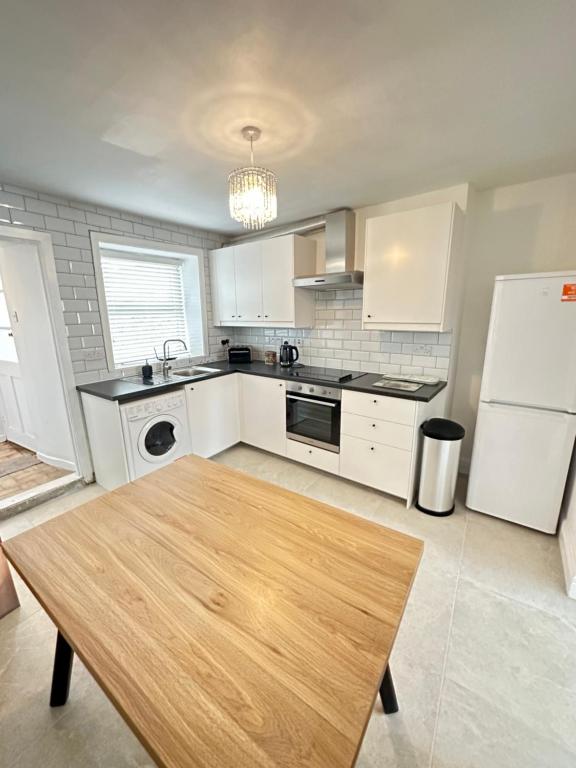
(374, 425)
(309, 451)
(375, 402)
(369, 315)
(371, 447)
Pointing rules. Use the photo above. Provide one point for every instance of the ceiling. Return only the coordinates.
(138, 104)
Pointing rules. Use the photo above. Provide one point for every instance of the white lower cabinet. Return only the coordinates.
(328, 461)
(379, 466)
(263, 413)
(377, 444)
(378, 431)
(393, 409)
(378, 440)
(213, 414)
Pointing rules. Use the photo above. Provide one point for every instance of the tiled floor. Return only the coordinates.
(23, 479)
(484, 664)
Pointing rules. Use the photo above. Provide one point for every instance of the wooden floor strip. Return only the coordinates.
(8, 467)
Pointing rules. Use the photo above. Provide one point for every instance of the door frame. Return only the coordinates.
(43, 244)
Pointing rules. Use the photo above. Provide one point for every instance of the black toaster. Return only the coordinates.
(239, 355)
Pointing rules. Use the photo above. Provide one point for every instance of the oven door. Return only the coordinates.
(313, 420)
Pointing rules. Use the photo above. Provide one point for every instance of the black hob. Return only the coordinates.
(322, 374)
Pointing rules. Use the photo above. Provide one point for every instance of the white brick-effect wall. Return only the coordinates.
(69, 223)
(338, 341)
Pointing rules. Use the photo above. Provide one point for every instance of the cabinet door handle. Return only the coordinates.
(259, 315)
(368, 315)
(371, 447)
(309, 451)
(374, 425)
(265, 315)
(375, 402)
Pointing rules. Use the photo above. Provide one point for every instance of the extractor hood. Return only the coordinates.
(340, 242)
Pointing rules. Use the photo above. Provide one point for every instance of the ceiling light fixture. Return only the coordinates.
(253, 199)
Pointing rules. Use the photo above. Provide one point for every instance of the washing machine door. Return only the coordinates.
(159, 438)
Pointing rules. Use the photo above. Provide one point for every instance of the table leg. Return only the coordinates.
(63, 658)
(388, 694)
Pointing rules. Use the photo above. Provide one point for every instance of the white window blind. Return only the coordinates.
(146, 299)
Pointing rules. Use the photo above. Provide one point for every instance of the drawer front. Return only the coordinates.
(377, 430)
(379, 407)
(314, 457)
(376, 465)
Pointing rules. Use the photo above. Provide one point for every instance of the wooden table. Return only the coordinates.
(232, 623)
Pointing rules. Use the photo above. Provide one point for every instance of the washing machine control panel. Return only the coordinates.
(149, 407)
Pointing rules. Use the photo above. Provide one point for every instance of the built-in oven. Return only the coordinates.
(313, 415)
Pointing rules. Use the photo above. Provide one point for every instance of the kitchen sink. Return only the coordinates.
(181, 373)
(197, 370)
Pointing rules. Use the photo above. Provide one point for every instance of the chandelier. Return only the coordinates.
(252, 190)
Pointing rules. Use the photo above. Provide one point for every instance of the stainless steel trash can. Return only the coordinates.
(439, 468)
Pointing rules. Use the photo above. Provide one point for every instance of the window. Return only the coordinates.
(148, 295)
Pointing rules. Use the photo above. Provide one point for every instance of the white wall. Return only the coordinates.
(69, 222)
(522, 228)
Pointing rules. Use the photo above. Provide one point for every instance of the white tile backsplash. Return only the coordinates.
(338, 341)
(69, 223)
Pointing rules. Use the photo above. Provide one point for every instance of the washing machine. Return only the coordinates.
(155, 432)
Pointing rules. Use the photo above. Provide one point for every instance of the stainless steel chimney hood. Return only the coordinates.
(340, 242)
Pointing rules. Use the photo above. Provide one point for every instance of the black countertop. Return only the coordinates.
(123, 390)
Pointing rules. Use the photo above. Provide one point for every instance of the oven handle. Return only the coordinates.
(311, 400)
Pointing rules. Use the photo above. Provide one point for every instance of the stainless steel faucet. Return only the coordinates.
(166, 351)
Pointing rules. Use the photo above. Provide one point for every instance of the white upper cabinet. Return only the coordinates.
(252, 283)
(248, 275)
(277, 275)
(224, 284)
(412, 270)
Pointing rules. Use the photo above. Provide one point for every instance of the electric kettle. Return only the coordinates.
(288, 355)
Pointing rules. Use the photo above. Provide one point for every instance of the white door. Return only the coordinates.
(263, 413)
(406, 265)
(531, 347)
(213, 415)
(36, 350)
(248, 266)
(277, 276)
(15, 415)
(520, 463)
(223, 284)
(17, 421)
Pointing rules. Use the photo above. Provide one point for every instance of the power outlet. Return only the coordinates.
(422, 349)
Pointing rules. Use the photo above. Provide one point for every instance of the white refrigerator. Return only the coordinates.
(526, 425)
